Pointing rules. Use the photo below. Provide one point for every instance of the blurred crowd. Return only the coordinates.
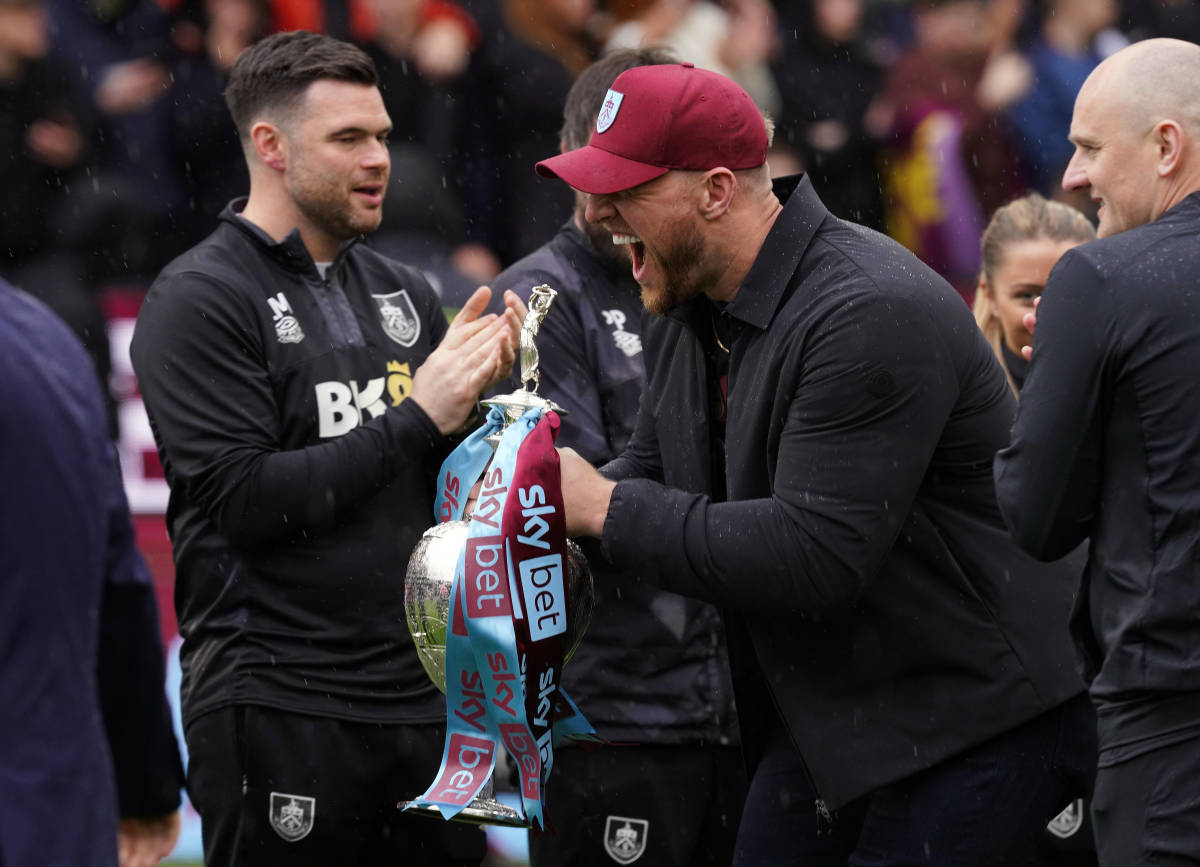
(918, 118)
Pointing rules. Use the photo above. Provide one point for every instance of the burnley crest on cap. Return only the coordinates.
(608, 113)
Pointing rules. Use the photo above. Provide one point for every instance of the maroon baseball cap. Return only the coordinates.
(658, 118)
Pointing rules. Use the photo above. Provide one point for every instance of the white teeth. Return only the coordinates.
(625, 239)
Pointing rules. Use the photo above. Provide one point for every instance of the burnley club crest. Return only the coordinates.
(292, 815)
(625, 838)
(399, 317)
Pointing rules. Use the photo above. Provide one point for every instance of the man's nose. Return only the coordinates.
(376, 155)
(1074, 177)
(598, 208)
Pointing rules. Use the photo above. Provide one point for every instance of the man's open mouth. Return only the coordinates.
(637, 252)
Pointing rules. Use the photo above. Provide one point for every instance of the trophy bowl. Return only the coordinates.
(430, 576)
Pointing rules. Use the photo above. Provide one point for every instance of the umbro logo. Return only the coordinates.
(287, 328)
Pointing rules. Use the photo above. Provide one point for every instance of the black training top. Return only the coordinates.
(300, 476)
(1106, 446)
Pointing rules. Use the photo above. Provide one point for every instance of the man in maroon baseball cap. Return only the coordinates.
(813, 454)
(668, 138)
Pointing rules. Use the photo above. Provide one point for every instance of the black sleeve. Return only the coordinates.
(640, 458)
(849, 467)
(132, 674)
(205, 383)
(1048, 479)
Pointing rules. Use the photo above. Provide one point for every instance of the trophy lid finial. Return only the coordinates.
(540, 299)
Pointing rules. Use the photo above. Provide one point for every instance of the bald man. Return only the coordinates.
(1106, 444)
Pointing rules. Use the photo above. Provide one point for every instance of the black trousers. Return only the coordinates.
(667, 806)
(276, 788)
(1147, 809)
(986, 807)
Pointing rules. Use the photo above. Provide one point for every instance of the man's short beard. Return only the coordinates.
(324, 205)
(684, 275)
(335, 218)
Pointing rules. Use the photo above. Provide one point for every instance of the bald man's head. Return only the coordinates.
(1153, 80)
(1136, 131)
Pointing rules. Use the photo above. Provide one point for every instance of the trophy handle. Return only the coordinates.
(484, 810)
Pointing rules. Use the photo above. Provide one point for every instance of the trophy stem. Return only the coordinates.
(484, 810)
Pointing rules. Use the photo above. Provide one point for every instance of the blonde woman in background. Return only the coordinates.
(1023, 241)
(1020, 245)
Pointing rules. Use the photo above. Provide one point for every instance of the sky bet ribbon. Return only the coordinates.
(535, 536)
(469, 754)
(504, 650)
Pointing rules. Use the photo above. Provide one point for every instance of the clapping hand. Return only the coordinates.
(477, 352)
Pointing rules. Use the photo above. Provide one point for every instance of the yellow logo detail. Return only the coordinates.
(399, 381)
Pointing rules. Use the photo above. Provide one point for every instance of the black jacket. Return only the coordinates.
(893, 620)
(300, 476)
(1106, 446)
(652, 667)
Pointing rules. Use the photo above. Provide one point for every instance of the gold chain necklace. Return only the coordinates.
(716, 334)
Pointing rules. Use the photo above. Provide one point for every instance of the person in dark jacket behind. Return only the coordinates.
(652, 673)
(303, 390)
(813, 453)
(85, 729)
(1106, 444)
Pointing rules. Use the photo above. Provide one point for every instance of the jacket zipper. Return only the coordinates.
(824, 816)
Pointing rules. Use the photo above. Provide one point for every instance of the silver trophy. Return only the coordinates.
(430, 575)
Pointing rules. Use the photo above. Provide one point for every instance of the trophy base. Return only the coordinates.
(481, 811)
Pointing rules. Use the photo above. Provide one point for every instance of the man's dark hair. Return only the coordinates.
(586, 96)
(273, 74)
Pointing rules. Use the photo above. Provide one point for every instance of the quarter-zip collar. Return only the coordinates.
(289, 252)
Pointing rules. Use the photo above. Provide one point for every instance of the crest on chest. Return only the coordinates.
(399, 317)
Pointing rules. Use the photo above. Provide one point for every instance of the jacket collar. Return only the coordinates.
(763, 290)
(290, 252)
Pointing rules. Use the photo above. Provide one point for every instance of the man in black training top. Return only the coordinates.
(1106, 444)
(302, 390)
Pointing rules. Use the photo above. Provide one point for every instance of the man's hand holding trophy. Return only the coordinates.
(498, 600)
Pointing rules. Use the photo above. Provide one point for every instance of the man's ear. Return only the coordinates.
(270, 144)
(1169, 138)
(720, 185)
